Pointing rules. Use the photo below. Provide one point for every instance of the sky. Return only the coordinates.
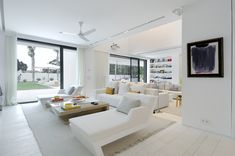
(42, 56)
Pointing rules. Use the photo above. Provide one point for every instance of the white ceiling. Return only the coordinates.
(46, 18)
(167, 36)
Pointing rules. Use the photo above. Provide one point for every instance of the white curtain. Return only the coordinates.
(81, 66)
(10, 70)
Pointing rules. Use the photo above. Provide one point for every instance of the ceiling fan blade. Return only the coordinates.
(84, 38)
(89, 32)
(68, 33)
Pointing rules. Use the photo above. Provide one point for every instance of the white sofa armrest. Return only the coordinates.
(163, 100)
(139, 114)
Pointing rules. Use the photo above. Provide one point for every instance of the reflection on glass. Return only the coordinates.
(37, 67)
(142, 71)
(134, 70)
(125, 68)
(119, 69)
(38, 71)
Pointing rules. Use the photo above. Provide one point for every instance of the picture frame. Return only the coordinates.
(205, 58)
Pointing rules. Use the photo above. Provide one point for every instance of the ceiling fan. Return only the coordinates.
(81, 34)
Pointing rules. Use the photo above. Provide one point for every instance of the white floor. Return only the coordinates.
(16, 139)
(172, 109)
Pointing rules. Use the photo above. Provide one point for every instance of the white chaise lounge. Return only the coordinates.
(65, 93)
(99, 129)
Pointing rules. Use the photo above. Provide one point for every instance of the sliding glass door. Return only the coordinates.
(40, 69)
(134, 70)
(119, 69)
(143, 71)
(127, 68)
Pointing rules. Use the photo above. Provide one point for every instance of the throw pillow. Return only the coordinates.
(109, 91)
(113, 84)
(123, 88)
(70, 90)
(126, 104)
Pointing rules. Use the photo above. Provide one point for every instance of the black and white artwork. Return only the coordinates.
(205, 58)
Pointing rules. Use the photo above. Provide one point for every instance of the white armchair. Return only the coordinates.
(96, 130)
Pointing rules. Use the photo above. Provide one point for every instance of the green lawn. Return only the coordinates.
(30, 86)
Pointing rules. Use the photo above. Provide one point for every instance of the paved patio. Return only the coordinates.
(30, 95)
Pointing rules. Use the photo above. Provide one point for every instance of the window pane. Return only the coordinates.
(142, 71)
(134, 70)
(38, 71)
(119, 69)
(125, 68)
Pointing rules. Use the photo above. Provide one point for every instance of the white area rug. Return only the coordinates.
(55, 138)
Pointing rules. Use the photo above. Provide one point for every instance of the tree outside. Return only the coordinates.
(31, 53)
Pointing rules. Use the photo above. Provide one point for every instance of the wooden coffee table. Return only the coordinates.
(86, 108)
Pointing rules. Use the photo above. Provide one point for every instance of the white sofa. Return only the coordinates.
(65, 93)
(96, 130)
(114, 100)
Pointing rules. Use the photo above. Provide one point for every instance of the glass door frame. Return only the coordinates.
(133, 58)
(61, 52)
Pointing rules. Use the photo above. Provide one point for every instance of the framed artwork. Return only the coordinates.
(205, 58)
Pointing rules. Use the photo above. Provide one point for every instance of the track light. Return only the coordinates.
(114, 46)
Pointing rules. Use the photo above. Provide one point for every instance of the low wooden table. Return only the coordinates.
(86, 108)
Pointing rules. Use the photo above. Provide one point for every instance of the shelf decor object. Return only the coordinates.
(161, 68)
(205, 58)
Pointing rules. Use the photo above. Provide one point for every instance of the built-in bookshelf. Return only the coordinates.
(161, 69)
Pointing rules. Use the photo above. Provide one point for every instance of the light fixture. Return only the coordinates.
(178, 11)
(114, 46)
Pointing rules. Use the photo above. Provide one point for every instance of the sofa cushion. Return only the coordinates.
(113, 84)
(112, 100)
(126, 104)
(69, 90)
(151, 91)
(138, 88)
(100, 125)
(123, 88)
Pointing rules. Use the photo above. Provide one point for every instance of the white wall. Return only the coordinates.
(2, 63)
(43, 76)
(208, 98)
(233, 93)
(96, 70)
(89, 72)
(70, 68)
(101, 68)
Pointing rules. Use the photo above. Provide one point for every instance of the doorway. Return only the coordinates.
(40, 69)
